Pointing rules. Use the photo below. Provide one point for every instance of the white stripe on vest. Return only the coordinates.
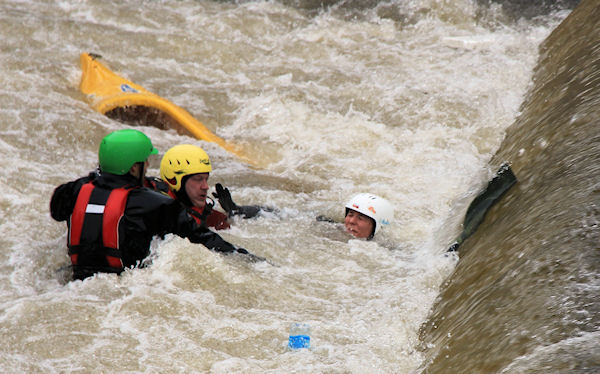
(94, 208)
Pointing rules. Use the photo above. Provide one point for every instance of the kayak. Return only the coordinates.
(121, 99)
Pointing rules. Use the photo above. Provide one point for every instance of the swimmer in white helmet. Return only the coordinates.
(366, 214)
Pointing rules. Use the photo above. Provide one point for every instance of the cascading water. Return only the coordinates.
(406, 99)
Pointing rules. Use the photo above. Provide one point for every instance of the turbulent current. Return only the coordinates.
(416, 101)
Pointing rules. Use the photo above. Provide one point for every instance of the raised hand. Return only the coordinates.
(224, 196)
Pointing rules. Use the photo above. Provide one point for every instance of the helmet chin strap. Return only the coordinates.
(374, 228)
(182, 195)
(142, 166)
(370, 237)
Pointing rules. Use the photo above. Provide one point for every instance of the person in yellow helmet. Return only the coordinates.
(112, 218)
(185, 169)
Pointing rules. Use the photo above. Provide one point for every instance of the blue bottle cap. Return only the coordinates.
(299, 341)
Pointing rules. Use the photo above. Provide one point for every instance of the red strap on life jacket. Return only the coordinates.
(77, 217)
(79, 213)
(113, 212)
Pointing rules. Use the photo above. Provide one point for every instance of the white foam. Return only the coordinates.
(331, 106)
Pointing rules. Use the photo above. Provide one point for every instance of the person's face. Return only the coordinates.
(358, 225)
(196, 187)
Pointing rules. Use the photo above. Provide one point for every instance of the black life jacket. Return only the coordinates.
(93, 238)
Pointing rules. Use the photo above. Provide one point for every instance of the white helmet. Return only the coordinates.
(373, 206)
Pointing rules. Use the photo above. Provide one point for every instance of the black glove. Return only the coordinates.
(232, 209)
(224, 197)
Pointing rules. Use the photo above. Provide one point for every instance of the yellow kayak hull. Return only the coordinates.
(108, 92)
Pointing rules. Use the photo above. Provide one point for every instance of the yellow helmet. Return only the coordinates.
(183, 160)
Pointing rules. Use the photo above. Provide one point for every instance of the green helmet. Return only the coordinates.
(120, 149)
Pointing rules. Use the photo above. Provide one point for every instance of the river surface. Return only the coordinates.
(410, 100)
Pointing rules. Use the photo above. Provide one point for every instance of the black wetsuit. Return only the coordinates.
(147, 213)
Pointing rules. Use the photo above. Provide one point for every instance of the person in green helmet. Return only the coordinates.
(112, 218)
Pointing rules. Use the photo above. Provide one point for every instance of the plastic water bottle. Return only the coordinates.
(299, 336)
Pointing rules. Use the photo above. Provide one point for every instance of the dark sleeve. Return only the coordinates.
(163, 215)
(189, 228)
(248, 211)
(174, 218)
(186, 226)
(63, 199)
(322, 218)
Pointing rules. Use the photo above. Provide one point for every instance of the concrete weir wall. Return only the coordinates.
(523, 297)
